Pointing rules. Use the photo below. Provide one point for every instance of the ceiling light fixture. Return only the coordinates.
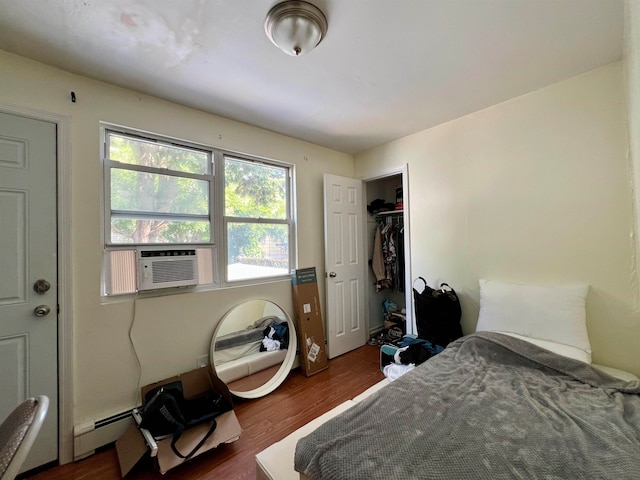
(295, 27)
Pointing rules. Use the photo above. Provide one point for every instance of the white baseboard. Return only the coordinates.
(89, 436)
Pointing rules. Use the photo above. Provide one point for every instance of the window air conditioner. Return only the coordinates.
(166, 268)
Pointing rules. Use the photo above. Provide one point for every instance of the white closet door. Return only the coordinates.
(345, 262)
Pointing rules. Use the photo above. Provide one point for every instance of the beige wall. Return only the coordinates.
(533, 190)
(169, 332)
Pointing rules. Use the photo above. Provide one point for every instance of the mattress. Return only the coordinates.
(490, 406)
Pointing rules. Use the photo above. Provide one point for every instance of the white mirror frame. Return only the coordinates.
(282, 373)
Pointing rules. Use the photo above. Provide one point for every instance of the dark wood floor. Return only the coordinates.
(264, 421)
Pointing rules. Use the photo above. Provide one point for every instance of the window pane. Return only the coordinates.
(152, 154)
(254, 190)
(257, 250)
(149, 192)
(128, 231)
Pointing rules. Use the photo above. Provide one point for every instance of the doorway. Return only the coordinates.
(389, 300)
(354, 303)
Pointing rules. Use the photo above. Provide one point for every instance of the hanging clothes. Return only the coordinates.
(400, 261)
(389, 252)
(377, 263)
(388, 255)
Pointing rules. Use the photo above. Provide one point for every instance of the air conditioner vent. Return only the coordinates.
(167, 268)
(175, 271)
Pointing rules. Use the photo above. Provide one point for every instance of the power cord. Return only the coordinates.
(137, 400)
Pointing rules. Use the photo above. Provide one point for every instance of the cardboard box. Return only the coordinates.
(132, 446)
(309, 326)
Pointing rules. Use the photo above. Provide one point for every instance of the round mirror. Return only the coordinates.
(253, 348)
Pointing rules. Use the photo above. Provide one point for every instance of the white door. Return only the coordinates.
(345, 262)
(28, 318)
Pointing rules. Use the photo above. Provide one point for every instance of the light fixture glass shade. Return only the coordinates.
(295, 27)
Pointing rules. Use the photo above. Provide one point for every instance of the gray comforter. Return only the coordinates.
(489, 407)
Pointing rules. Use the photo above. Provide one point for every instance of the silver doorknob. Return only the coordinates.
(41, 286)
(333, 274)
(42, 310)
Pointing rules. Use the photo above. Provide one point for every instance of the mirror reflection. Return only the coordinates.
(253, 348)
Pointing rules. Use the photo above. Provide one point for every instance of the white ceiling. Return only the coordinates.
(385, 70)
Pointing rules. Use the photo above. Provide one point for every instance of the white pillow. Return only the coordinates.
(555, 314)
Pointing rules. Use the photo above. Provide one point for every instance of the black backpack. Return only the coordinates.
(437, 313)
(166, 412)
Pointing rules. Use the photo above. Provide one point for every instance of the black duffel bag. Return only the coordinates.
(167, 412)
(437, 313)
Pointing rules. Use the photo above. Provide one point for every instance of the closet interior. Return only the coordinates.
(387, 258)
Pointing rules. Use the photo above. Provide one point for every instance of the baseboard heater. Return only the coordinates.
(90, 436)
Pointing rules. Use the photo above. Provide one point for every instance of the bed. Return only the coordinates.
(517, 399)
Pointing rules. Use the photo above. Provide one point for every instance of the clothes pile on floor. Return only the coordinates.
(395, 361)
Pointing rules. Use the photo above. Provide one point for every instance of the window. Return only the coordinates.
(161, 192)
(256, 219)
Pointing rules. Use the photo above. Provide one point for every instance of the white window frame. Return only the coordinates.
(218, 220)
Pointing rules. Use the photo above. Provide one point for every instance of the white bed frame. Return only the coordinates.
(249, 364)
(276, 461)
